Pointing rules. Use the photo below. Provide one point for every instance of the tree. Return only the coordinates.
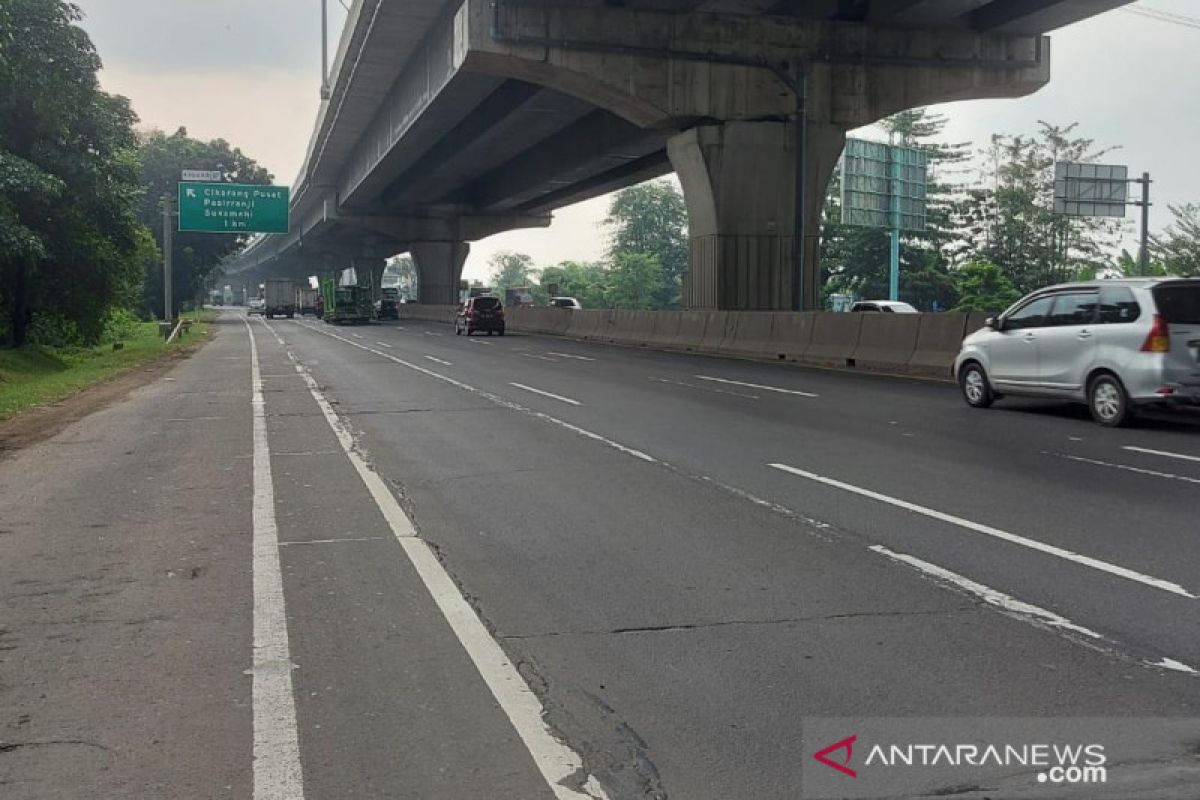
(70, 244)
(511, 271)
(651, 219)
(1011, 218)
(633, 281)
(582, 280)
(983, 286)
(197, 256)
(1178, 247)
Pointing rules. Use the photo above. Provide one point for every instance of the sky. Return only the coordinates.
(249, 71)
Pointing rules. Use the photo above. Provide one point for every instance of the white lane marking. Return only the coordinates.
(540, 358)
(477, 341)
(558, 397)
(277, 773)
(561, 767)
(439, 361)
(705, 388)
(500, 401)
(335, 541)
(568, 355)
(755, 386)
(356, 335)
(1124, 467)
(995, 597)
(384, 344)
(431, 333)
(1026, 612)
(1164, 453)
(1032, 544)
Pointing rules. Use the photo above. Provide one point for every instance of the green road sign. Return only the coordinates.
(233, 208)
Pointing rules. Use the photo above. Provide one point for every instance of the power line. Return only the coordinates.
(1183, 20)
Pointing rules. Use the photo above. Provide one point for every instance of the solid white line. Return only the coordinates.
(431, 333)
(558, 397)
(568, 355)
(994, 597)
(755, 386)
(1032, 544)
(1125, 467)
(561, 767)
(439, 361)
(1166, 453)
(384, 344)
(334, 541)
(477, 341)
(1026, 612)
(277, 773)
(540, 358)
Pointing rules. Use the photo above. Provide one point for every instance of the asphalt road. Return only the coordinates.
(682, 559)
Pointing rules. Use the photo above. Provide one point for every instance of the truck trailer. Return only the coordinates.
(306, 300)
(281, 298)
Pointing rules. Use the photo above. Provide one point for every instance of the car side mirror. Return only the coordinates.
(994, 323)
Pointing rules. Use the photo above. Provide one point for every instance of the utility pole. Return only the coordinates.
(168, 223)
(1144, 249)
(894, 250)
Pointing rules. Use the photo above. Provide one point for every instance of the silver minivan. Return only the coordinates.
(1112, 344)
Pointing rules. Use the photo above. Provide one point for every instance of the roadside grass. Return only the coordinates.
(33, 376)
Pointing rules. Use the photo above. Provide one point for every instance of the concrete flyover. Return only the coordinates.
(451, 120)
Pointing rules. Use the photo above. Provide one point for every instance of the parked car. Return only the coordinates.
(257, 305)
(566, 302)
(480, 314)
(1115, 345)
(886, 306)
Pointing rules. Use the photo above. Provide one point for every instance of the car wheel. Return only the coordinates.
(457, 330)
(500, 332)
(976, 389)
(1108, 401)
(490, 331)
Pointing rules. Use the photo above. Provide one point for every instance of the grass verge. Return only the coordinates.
(34, 376)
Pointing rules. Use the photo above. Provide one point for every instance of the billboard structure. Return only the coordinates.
(884, 186)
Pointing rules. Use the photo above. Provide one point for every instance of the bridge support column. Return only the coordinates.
(739, 181)
(439, 269)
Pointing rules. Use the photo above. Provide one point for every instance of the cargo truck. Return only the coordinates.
(345, 304)
(281, 298)
(306, 300)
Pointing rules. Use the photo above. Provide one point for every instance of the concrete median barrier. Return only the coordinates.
(428, 313)
(666, 327)
(717, 331)
(887, 341)
(791, 334)
(834, 339)
(749, 334)
(631, 327)
(690, 332)
(558, 320)
(938, 342)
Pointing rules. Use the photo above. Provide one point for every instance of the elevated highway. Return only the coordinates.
(450, 121)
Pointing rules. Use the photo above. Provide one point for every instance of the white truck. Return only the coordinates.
(306, 300)
(281, 298)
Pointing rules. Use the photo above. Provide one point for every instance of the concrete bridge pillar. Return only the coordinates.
(439, 269)
(372, 267)
(740, 183)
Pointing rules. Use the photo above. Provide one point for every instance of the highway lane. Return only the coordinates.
(661, 614)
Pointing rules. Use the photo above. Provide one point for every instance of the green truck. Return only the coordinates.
(345, 304)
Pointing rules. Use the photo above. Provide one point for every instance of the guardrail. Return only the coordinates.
(906, 344)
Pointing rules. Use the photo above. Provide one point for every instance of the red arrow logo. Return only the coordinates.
(846, 744)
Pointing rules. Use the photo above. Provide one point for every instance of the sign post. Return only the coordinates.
(168, 247)
(207, 207)
(883, 186)
(1102, 190)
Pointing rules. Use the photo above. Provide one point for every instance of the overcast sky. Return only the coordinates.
(249, 71)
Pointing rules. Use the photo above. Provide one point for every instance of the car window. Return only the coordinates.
(1179, 304)
(486, 303)
(1073, 308)
(864, 307)
(887, 309)
(1117, 304)
(1030, 315)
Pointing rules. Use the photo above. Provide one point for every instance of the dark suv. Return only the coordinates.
(480, 314)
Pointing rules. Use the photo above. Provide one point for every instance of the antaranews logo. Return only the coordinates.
(825, 755)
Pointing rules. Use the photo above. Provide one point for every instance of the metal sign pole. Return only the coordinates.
(168, 224)
(1144, 250)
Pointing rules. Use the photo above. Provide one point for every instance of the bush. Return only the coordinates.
(119, 324)
(51, 329)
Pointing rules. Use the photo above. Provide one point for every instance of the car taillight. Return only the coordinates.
(500, 313)
(470, 313)
(1159, 338)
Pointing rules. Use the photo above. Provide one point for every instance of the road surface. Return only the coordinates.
(385, 561)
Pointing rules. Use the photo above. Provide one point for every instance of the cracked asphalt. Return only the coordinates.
(678, 606)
